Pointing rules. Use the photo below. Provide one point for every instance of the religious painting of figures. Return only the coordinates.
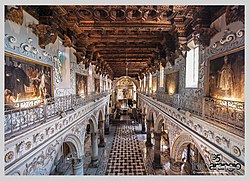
(26, 80)
(226, 77)
(172, 83)
(97, 85)
(81, 85)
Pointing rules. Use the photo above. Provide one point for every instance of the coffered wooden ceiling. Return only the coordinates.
(118, 37)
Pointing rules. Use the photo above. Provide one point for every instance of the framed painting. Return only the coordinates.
(226, 77)
(172, 83)
(81, 85)
(26, 79)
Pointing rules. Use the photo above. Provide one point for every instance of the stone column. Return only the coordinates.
(94, 146)
(143, 124)
(157, 150)
(102, 142)
(148, 142)
(106, 129)
(175, 167)
(77, 165)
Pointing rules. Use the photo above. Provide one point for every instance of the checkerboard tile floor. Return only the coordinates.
(125, 155)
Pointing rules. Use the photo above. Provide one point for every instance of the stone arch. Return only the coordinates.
(75, 145)
(101, 115)
(93, 124)
(158, 123)
(123, 77)
(150, 113)
(180, 143)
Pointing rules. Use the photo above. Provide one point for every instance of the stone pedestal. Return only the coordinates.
(148, 142)
(77, 165)
(94, 145)
(157, 151)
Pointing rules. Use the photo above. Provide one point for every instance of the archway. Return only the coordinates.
(69, 158)
(101, 120)
(91, 143)
(150, 118)
(186, 151)
(161, 145)
(125, 94)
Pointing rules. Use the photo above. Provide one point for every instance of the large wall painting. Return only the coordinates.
(81, 85)
(26, 79)
(226, 77)
(172, 83)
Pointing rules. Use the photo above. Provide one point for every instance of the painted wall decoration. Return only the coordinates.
(226, 77)
(26, 79)
(172, 83)
(97, 85)
(81, 85)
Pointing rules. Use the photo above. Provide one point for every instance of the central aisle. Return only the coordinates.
(125, 155)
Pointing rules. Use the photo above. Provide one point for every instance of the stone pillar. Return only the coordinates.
(94, 146)
(157, 151)
(106, 129)
(148, 142)
(102, 142)
(77, 165)
(143, 124)
(175, 167)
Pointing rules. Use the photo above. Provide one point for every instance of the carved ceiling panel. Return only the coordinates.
(137, 36)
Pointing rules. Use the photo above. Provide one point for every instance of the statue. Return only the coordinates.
(226, 77)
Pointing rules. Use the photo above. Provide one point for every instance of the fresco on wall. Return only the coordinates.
(226, 77)
(81, 85)
(97, 85)
(26, 79)
(172, 83)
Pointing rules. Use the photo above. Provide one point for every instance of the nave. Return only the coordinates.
(125, 153)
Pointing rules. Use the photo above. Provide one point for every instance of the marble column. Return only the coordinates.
(143, 124)
(106, 129)
(77, 165)
(149, 142)
(175, 167)
(157, 150)
(94, 146)
(102, 142)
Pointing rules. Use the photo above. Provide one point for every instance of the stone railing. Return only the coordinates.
(214, 138)
(226, 114)
(25, 115)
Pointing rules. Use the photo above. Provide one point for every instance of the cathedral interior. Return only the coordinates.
(124, 90)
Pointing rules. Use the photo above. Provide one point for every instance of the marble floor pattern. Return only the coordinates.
(125, 157)
(125, 153)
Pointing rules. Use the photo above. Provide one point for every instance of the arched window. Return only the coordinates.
(192, 66)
